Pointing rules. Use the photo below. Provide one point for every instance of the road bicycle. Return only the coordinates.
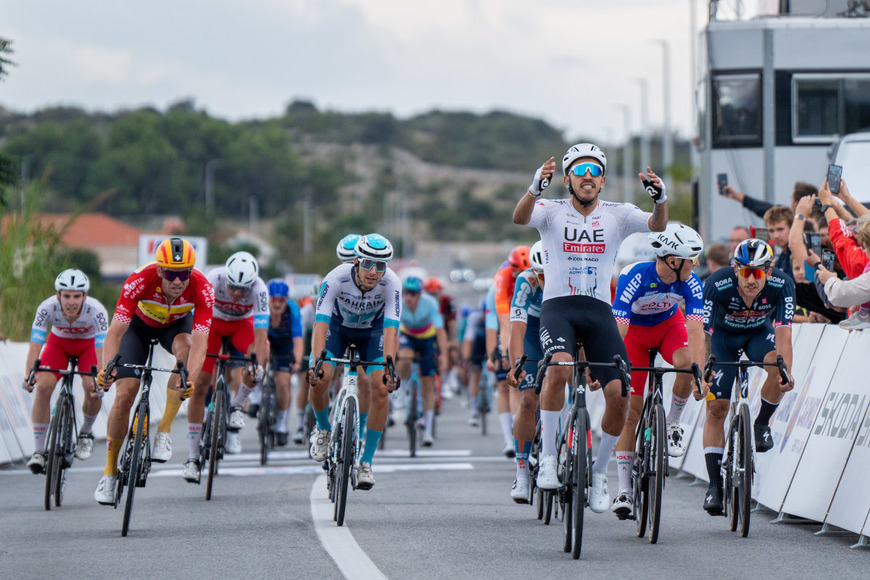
(574, 451)
(345, 442)
(738, 457)
(650, 467)
(135, 463)
(413, 408)
(214, 439)
(62, 439)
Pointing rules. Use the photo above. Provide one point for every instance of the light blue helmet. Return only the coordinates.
(374, 247)
(345, 248)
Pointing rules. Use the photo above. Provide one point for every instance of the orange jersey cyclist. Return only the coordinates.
(167, 300)
(78, 328)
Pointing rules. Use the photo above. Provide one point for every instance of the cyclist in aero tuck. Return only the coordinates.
(581, 235)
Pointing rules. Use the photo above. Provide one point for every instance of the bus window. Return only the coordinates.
(736, 110)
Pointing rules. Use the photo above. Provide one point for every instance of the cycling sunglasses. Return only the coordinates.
(758, 273)
(237, 288)
(593, 169)
(411, 292)
(366, 264)
(173, 275)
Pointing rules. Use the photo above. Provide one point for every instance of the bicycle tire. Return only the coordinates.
(51, 454)
(411, 420)
(483, 409)
(348, 452)
(639, 477)
(564, 455)
(215, 444)
(729, 485)
(335, 450)
(135, 459)
(658, 457)
(579, 476)
(264, 419)
(67, 449)
(743, 502)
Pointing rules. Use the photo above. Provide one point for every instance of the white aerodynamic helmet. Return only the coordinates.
(344, 251)
(677, 240)
(581, 150)
(536, 256)
(242, 270)
(72, 279)
(374, 247)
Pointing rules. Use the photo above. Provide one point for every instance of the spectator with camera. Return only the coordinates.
(760, 207)
(851, 292)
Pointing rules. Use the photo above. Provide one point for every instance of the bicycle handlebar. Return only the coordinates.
(518, 367)
(390, 374)
(618, 363)
(744, 364)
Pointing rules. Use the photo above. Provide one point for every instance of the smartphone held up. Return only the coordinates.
(835, 175)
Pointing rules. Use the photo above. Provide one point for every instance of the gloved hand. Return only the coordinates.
(257, 373)
(654, 186)
(542, 178)
(187, 391)
(104, 382)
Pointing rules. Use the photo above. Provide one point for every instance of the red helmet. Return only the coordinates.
(519, 258)
(433, 285)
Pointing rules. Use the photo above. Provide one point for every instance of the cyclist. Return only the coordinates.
(240, 314)
(581, 235)
(447, 308)
(525, 323)
(78, 329)
(647, 314)
(285, 342)
(168, 300)
(473, 353)
(360, 303)
(345, 250)
(420, 327)
(739, 303)
(306, 314)
(497, 363)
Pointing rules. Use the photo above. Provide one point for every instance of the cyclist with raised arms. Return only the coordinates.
(286, 345)
(648, 317)
(525, 327)
(581, 235)
(739, 303)
(167, 300)
(78, 328)
(420, 328)
(359, 303)
(240, 314)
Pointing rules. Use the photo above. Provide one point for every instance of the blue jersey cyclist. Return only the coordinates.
(421, 325)
(359, 303)
(739, 303)
(648, 317)
(525, 326)
(286, 344)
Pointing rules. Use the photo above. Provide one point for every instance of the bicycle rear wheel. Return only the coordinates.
(640, 478)
(729, 461)
(411, 419)
(348, 452)
(218, 425)
(580, 464)
(135, 463)
(483, 408)
(264, 421)
(52, 455)
(743, 476)
(658, 469)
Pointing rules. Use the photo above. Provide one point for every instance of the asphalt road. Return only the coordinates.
(445, 514)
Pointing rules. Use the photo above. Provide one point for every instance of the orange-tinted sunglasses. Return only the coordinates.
(758, 273)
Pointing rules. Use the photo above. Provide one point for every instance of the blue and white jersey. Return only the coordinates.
(643, 299)
(490, 315)
(528, 297)
(341, 299)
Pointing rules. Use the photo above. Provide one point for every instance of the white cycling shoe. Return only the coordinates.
(599, 497)
(320, 444)
(520, 490)
(547, 478)
(675, 440)
(105, 493)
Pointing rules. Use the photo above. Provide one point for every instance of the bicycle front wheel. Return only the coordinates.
(565, 469)
(348, 452)
(658, 469)
(639, 476)
(411, 420)
(218, 427)
(743, 474)
(139, 420)
(52, 453)
(264, 421)
(580, 465)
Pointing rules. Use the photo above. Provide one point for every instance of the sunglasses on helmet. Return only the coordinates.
(758, 273)
(593, 169)
(173, 275)
(366, 264)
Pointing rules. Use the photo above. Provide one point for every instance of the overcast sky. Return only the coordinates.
(569, 62)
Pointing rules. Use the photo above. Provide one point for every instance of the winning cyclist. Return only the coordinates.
(581, 235)
(240, 314)
(647, 314)
(420, 327)
(525, 326)
(78, 329)
(359, 303)
(285, 342)
(167, 300)
(739, 303)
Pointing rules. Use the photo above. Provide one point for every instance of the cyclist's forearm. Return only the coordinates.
(391, 342)
(32, 355)
(113, 341)
(298, 349)
(518, 332)
(783, 344)
(441, 339)
(196, 356)
(491, 341)
(697, 341)
(318, 338)
(523, 211)
(261, 345)
(659, 218)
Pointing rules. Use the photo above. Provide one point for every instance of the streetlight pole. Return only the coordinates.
(644, 129)
(667, 138)
(627, 161)
(209, 187)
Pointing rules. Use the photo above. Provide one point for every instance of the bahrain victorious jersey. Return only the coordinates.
(580, 251)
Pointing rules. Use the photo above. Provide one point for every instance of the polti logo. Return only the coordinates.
(572, 248)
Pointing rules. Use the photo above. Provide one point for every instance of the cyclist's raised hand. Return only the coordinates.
(542, 177)
(653, 185)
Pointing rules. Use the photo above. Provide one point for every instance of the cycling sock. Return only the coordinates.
(549, 424)
(713, 458)
(507, 427)
(428, 417)
(173, 403)
(194, 436)
(522, 452)
(363, 421)
(766, 412)
(113, 448)
(88, 423)
(676, 411)
(241, 395)
(300, 418)
(605, 450)
(281, 422)
(39, 432)
(472, 405)
(624, 459)
(255, 396)
(372, 439)
(322, 418)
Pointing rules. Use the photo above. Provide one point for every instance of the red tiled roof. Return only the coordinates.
(89, 230)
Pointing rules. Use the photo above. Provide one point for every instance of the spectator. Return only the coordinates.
(717, 257)
(849, 252)
(778, 220)
(851, 292)
(737, 235)
(760, 207)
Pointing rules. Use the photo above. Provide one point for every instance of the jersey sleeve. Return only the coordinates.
(326, 300)
(295, 319)
(693, 294)
(203, 303)
(39, 330)
(634, 220)
(624, 298)
(503, 291)
(437, 319)
(491, 318)
(711, 302)
(130, 294)
(849, 252)
(522, 299)
(261, 304)
(472, 321)
(101, 323)
(393, 300)
(540, 214)
(784, 313)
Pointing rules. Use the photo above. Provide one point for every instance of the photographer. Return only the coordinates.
(851, 292)
(849, 251)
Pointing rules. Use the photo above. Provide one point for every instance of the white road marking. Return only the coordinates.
(338, 541)
(316, 469)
